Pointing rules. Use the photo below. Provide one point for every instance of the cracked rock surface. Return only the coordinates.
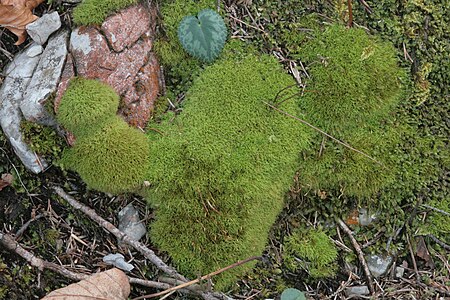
(119, 53)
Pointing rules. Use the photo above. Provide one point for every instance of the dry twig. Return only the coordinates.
(148, 253)
(205, 277)
(360, 254)
(8, 241)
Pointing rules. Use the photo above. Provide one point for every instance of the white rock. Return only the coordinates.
(130, 224)
(44, 81)
(379, 264)
(43, 27)
(357, 291)
(118, 260)
(18, 74)
(34, 50)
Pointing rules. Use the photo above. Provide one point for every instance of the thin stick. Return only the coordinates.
(8, 241)
(436, 209)
(184, 285)
(350, 14)
(439, 242)
(360, 254)
(322, 132)
(148, 253)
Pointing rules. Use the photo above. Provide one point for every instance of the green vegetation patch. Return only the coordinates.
(86, 104)
(354, 79)
(94, 12)
(45, 141)
(180, 66)
(353, 92)
(112, 159)
(312, 250)
(220, 171)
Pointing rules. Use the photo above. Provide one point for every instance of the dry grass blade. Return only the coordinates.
(323, 132)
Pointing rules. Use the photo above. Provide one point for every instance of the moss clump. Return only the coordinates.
(355, 78)
(220, 171)
(112, 159)
(94, 12)
(354, 88)
(86, 104)
(316, 252)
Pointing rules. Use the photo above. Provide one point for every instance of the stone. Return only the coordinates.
(122, 31)
(45, 80)
(18, 74)
(128, 66)
(130, 224)
(118, 261)
(43, 27)
(34, 50)
(365, 218)
(379, 264)
(360, 290)
(399, 272)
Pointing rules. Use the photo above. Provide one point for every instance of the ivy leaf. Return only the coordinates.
(203, 36)
(292, 294)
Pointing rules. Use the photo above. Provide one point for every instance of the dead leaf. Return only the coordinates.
(16, 14)
(353, 217)
(109, 285)
(6, 180)
(422, 252)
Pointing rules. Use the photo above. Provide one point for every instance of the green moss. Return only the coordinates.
(43, 140)
(94, 12)
(220, 170)
(112, 159)
(351, 95)
(355, 78)
(86, 104)
(181, 68)
(316, 252)
(438, 223)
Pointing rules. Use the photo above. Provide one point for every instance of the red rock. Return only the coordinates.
(130, 67)
(67, 73)
(124, 28)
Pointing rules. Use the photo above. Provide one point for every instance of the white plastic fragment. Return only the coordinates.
(118, 260)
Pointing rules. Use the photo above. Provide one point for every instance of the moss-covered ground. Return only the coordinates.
(409, 208)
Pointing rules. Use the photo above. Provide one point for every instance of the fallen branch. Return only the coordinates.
(360, 254)
(148, 253)
(322, 132)
(144, 250)
(8, 241)
(439, 242)
(205, 277)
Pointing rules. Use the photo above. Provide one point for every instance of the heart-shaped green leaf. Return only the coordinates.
(203, 36)
(292, 294)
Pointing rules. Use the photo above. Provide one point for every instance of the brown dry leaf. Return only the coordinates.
(109, 285)
(353, 217)
(5, 180)
(422, 252)
(16, 14)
